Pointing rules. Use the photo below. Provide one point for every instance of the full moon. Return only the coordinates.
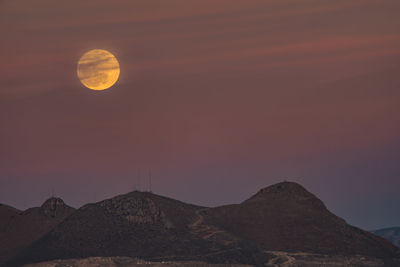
(98, 69)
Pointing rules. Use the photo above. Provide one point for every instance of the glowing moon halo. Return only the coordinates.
(98, 69)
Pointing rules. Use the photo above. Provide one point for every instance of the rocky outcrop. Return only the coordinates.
(56, 208)
(137, 210)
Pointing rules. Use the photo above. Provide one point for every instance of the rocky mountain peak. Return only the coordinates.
(287, 194)
(282, 190)
(55, 206)
(285, 187)
(137, 207)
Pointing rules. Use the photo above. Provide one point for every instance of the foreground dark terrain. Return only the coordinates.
(281, 225)
(279, 258)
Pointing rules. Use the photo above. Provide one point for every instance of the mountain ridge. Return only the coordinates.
(280, 217)
(143, 224)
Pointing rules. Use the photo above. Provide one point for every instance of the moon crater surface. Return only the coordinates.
(98, 69)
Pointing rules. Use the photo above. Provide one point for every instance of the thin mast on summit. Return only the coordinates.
(150, 181)
(139, 180)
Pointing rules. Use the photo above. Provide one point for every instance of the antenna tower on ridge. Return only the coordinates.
(150, 181)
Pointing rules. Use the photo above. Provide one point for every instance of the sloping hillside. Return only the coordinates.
(19, 229)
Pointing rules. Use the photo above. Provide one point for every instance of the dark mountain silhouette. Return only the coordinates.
(142, 225)
(283, 217)
(6, 214)
(19, 229)
(287, 217)
(392, 234)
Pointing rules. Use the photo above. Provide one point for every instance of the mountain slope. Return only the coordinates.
(19, 229)
(392, 234)
(287, 217)
(282, 217)
(137, 224)
(6, 214)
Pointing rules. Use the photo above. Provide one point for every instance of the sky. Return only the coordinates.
(217, 98)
